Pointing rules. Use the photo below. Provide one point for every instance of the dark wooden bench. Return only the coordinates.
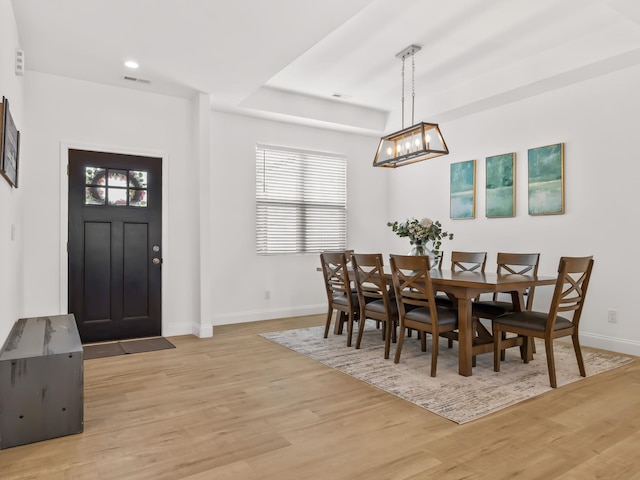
(41, 381)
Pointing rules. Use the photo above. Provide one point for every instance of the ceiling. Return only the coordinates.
(287, 59)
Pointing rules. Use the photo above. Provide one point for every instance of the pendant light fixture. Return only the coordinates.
(420, 141)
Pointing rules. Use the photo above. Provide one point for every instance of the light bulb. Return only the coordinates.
(131, 64)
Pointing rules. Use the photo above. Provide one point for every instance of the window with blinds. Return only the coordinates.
(301, 201)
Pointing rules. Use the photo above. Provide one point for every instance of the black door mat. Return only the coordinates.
(125, 347)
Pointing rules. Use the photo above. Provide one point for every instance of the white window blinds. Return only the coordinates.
(301, 201)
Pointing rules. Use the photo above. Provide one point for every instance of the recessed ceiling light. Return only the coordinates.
(131, 64)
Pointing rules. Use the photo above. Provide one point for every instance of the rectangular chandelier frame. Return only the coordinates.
(419, 142)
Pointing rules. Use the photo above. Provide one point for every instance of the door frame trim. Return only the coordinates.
(65, 146)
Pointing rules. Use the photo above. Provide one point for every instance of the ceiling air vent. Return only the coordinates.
(135, 79)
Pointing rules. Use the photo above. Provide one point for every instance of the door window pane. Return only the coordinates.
(117, 178)
(94, 196)
(117, 196)
(94, 176)
(137, 179)
(137, 198)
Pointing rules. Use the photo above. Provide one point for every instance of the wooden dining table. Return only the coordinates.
(462, 287)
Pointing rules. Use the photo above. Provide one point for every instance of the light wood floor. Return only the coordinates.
(237, 406)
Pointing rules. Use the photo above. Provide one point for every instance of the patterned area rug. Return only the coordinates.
(457, 398)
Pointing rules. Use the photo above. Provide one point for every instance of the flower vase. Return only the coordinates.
(422, 249)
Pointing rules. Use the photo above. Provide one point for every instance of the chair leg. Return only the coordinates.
(576, 347)
(361, 325)
(423, 341)
(328, 322)
(399, 346)
(387, 338)
(435, 339)
(526, 348)
(551, 364)
(350, 323)
(497, 337)
(341, 317)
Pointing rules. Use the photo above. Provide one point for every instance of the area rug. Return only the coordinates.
(452, 396)
(125, 347)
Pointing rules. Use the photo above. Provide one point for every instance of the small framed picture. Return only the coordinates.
(462, 188)
(500, 200)
(546, 180)
(9, 145)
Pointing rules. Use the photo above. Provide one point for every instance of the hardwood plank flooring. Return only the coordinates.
(237, 406)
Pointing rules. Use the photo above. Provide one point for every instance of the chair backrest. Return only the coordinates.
(368, 269)
(412, 283)
(468, 261)
(520, 264)
(571, 288)
(336, 274)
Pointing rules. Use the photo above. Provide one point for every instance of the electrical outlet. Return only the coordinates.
(612, 316)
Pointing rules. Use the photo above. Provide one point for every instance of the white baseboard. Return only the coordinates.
(206, 331)
(613, 344)
(257, 315)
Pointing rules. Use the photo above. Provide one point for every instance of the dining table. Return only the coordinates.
(463, 286)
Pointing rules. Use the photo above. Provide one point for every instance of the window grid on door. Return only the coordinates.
(115, 187)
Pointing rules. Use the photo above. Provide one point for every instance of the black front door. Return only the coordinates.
(115, 251)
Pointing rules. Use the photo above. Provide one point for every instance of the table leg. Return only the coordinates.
(465, 337)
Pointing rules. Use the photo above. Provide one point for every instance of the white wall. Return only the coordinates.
(11, 252)
(597, 120)
(240, 277)
(62, 111)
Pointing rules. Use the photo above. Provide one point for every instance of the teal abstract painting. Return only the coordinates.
(463, 189)
(546, 180)
(500, 185)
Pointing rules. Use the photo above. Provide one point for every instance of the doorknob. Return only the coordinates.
(156, 261)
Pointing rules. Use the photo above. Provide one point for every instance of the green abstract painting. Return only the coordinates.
(463, 189)
(500, 185)
(546, 180)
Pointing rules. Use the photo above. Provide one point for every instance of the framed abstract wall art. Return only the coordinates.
(546, 180)
(9, 145)
(462, 188)
(500, 200)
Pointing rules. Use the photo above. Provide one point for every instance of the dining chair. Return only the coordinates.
(376, 303)
(341, 297)
(568, 296)
(507, 263)
(463, 262)
(417, 308)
